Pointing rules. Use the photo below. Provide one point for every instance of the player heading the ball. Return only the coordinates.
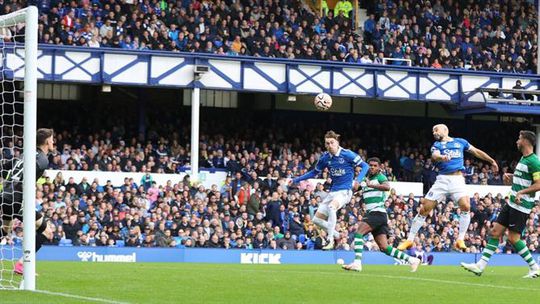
(341, 164)
(448, 153)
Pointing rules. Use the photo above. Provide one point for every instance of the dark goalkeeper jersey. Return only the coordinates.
(14, 168)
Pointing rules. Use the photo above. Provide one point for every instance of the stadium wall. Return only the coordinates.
(202, 255)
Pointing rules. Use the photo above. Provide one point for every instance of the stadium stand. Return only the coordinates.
(492, 36)
(248, 211)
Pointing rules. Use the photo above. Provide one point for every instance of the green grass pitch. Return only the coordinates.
(221, 283)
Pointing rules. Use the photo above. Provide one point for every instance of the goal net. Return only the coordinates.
(18, 65)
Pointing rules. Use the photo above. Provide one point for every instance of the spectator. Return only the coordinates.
(146, 181)
(254, 203)
(521, 96)
(487, 35)
(286, 243)
(296, 228)
(343, 6)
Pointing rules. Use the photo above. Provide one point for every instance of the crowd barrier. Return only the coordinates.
(240, 256)
(206, 177)
(217, 177)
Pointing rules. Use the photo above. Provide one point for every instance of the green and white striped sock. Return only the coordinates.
(490, 249)
(396, 253)
(358, 247)
(523, 251)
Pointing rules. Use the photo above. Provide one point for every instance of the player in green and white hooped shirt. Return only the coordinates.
(513, 216)
(375, 220)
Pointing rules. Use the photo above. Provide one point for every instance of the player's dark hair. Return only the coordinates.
(332, 134)
(374, 159)
(43, 134)
(529, 136)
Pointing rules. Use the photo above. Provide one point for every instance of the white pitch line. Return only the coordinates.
(72, 296)
(399, 277)
(452, 282)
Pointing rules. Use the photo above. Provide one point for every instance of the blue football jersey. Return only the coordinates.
(341, 167)
(455, 150)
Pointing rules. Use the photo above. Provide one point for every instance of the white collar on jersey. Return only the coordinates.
(449, 141)
(338, 152)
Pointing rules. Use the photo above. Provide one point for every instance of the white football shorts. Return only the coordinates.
(447, 185)
(343, 197)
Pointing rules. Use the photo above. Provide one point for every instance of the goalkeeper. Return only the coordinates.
(12, 193)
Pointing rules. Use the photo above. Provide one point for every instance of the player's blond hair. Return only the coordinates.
(332, 134)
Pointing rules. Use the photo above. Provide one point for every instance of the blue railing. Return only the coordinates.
(170, 69)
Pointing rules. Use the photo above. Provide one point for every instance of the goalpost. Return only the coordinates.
(18, 36)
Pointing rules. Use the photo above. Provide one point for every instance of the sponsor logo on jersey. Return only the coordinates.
(337, 172)
(452, 153)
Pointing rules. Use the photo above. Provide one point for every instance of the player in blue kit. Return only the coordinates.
(341, 164)
(447, 153)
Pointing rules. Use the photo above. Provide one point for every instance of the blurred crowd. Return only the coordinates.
(244, 213)
(498, 35)
(254, 207)
(476, 35)
(277, 149)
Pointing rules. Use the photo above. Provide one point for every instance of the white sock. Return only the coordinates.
(320, 222)
(332, 220)
(481, 264)
(417, 223)
(464, 221)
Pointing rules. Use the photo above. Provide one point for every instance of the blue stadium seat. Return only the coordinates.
(120, 243)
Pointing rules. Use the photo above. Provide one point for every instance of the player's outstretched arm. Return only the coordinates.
(363, 172)
(308, 175)
(483, 156)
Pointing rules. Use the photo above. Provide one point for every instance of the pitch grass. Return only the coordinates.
(219, 283)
